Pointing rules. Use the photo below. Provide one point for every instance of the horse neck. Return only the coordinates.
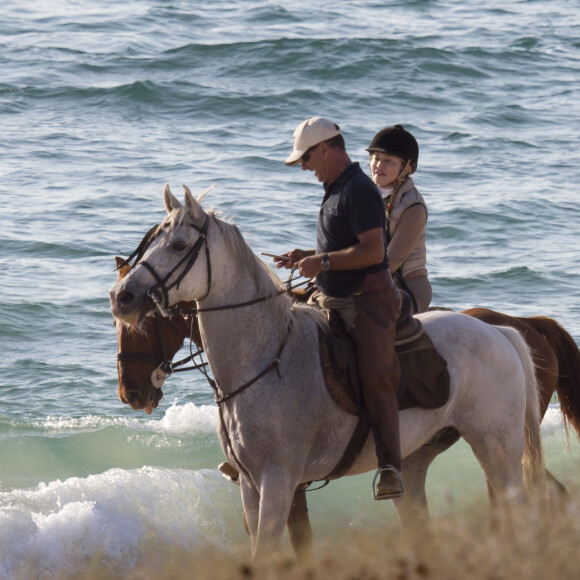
(239, 341)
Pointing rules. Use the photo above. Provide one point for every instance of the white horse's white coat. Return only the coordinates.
(285, 429)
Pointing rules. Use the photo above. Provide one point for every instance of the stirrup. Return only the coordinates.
(391, 495)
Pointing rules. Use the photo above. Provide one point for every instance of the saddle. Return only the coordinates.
(424, 376)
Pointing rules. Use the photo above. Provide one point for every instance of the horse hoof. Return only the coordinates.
(229, 472)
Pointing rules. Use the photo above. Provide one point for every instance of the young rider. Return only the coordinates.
(393, 156)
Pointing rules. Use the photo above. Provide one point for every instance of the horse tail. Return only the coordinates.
(568, 356)
(533, 459)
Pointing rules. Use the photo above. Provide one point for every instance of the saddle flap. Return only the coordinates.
(424, 375)
(338, 363)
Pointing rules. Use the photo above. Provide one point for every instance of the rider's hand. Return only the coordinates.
(294, 255)
(310, 266)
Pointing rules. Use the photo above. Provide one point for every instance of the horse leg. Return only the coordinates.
(499, 451)
(412, 507)
(299, 528)
(274, 502)
(251, 506)
(265, 515)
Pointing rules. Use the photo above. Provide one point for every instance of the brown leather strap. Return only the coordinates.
(353, 449)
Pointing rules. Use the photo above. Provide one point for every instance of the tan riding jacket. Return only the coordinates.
(407, 221)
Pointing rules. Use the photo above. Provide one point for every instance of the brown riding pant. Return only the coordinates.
(379, 372)
(371, 315)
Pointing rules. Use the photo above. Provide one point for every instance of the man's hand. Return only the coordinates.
(310, 266)
(294, 256)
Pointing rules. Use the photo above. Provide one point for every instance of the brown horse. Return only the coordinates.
(556, 358)
(148, 349)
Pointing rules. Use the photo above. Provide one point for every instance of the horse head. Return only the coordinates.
(173, 252)
(144, 351)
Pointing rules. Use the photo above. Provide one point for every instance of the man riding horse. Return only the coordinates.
(353, 279)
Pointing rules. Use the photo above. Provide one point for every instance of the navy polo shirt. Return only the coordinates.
(351, 206)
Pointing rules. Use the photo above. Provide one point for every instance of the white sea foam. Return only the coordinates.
(178, 419)
(64, 522)
(188, 418)
(552, 421)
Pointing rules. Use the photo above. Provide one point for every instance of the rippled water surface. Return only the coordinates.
(102, 103)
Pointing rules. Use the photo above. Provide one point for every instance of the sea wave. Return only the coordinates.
(54, 528)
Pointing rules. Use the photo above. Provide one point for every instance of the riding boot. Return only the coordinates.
(390, 485)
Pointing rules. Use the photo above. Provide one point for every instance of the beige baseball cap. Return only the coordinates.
(311, 132)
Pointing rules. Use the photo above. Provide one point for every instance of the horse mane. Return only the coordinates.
(283, 308)
(267, 283)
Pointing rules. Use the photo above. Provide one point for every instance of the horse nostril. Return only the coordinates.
(125, 297)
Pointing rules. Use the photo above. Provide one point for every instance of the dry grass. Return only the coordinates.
(532, 545)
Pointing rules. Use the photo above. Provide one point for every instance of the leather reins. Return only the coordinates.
(164, 362)
(187, 262)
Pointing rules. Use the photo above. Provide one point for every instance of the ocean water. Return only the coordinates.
(102, 103)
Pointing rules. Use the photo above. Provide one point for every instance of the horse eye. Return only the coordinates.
(178, 246)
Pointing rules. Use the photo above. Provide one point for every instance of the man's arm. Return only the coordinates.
(370, 250)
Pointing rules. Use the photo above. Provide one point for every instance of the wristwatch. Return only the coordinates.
(325, 263)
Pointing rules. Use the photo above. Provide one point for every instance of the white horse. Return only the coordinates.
(278, 425)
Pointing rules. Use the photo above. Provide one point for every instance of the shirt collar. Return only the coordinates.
(343, 177)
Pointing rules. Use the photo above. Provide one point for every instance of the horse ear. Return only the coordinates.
(122, 267)
(193, 205)
(171, 201)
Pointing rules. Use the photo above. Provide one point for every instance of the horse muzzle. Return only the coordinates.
(129, 308)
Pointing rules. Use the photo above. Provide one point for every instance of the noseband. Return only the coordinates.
(163, 362)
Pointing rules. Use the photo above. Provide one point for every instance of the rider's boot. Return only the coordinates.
(390, 485)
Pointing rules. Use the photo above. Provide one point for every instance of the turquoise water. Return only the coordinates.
(102, 103)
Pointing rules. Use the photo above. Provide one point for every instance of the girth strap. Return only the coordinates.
(353, 449)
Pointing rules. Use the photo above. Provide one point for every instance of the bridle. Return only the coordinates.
(162, 287)
(164, 362)
(187, 261)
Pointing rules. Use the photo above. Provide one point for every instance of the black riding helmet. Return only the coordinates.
(396, 141)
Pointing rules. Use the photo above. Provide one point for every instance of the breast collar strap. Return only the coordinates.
(275, 364)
